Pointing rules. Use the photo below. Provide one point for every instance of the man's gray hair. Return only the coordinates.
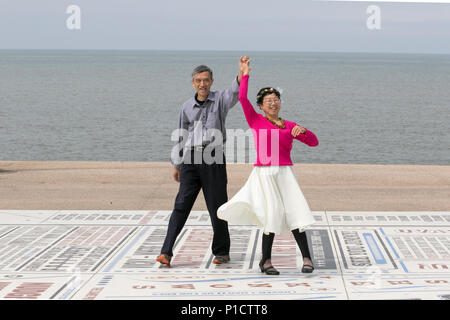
(201, 69)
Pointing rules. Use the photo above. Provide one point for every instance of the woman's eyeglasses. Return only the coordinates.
(270, 101)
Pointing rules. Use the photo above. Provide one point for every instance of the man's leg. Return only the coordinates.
(214, 185)
(189, 189)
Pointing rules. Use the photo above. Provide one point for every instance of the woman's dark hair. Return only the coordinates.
(265, 91)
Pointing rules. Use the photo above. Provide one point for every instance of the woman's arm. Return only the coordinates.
(250, 114)
(304, 135)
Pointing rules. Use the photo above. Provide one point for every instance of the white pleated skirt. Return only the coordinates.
(271, 199)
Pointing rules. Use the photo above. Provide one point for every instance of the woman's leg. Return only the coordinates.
(267, 241)
(302, 242)
(265, 264)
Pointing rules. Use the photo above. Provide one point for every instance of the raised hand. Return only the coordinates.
(244, 62)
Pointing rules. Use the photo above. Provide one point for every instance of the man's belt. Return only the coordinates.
(200, 148)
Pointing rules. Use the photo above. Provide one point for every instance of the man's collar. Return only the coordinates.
(211, 96)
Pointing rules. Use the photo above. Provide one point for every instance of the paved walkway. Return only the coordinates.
(382, 232)
(84, 254)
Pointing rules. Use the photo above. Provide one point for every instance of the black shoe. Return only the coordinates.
(307, 268)
(270, 270)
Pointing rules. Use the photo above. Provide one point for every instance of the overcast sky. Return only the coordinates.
(253, 25)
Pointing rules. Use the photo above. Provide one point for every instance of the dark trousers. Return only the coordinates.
(300, 238)
(212, 179)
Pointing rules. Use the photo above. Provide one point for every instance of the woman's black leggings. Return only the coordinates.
(300, 237)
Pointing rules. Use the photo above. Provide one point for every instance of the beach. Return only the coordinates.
(70, 185)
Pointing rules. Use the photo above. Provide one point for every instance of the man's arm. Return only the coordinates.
(178, 137)
(230, 96)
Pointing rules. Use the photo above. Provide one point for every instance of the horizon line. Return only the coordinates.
(229, 50)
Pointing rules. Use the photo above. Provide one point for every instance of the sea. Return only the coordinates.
(84, 105)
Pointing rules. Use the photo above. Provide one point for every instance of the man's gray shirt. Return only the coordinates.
(197, 119)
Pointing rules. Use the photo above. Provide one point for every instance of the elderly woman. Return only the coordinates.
(271, 198)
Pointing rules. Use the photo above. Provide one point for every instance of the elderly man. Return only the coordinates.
(202, 163)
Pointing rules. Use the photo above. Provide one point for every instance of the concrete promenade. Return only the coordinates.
(149, 185)
(92, 230)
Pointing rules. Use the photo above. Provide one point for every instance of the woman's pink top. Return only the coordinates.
(269, 138)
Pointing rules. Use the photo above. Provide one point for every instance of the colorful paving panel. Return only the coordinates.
(87, 254)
